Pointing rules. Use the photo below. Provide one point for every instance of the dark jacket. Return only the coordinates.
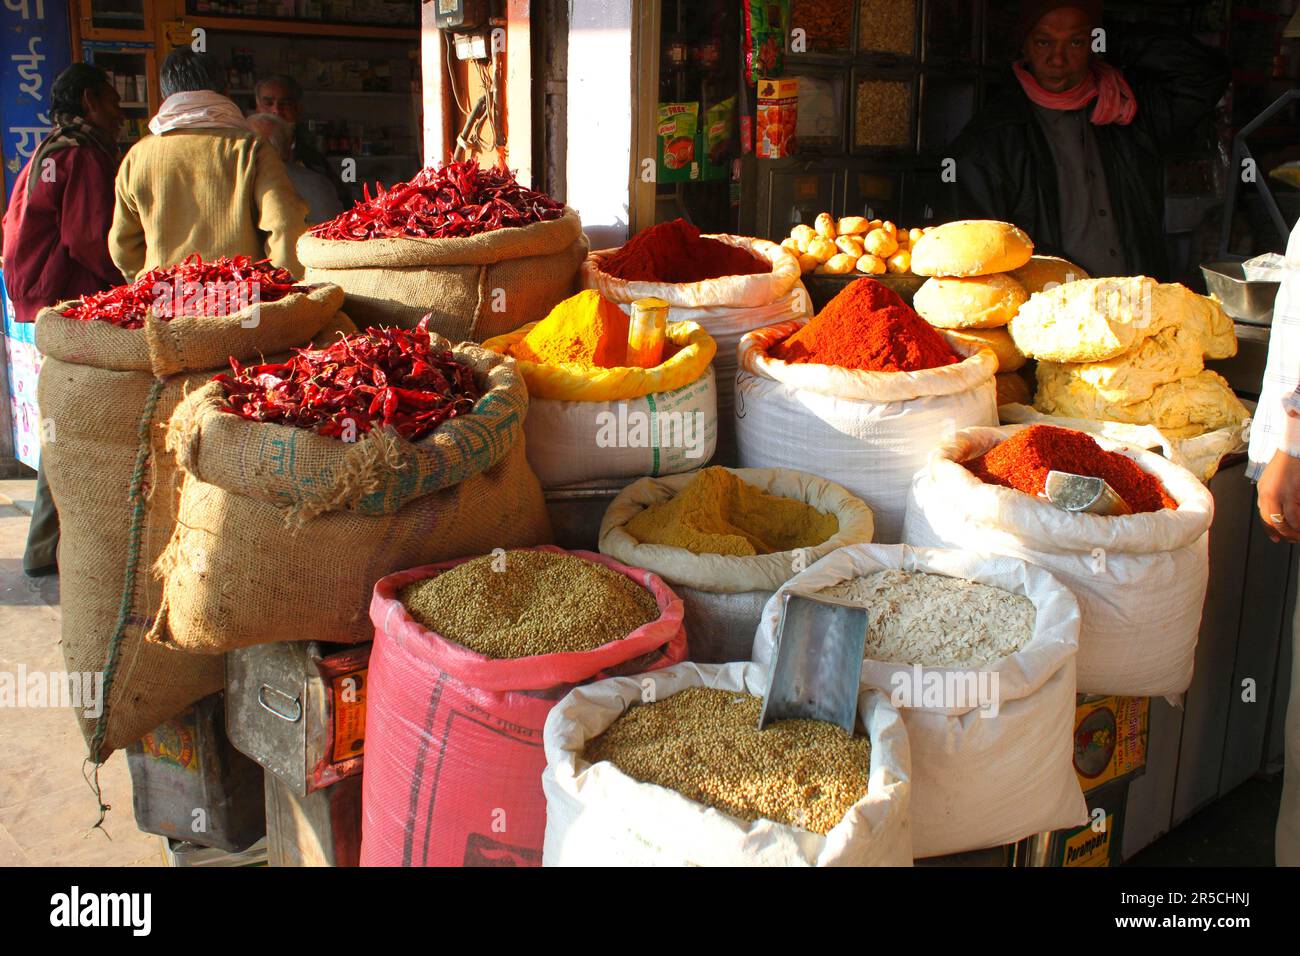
(56, 233)
(1005, 169)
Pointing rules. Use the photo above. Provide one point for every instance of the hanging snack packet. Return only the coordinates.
(678, 124)
(767, 24)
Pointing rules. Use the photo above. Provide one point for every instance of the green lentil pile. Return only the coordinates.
(706, 745)
(523, 603)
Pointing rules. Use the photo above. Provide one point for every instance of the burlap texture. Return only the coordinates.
(95, 413)
(189, 343)
(283, 533)
(475, 287)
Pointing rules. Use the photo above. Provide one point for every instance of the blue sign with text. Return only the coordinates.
(35, 49)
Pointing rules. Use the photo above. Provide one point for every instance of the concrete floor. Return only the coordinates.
(47, 809)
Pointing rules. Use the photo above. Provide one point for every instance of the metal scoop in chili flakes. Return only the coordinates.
(373, 379)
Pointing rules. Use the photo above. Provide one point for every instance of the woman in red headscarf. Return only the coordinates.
(1073, 151)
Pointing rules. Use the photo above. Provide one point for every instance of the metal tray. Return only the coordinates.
(1249, 301)
(823, 288)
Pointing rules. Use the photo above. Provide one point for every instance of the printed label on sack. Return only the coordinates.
(675, 427)
(480, 789)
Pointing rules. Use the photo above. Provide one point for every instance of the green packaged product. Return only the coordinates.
(676, 133)
(767, 25)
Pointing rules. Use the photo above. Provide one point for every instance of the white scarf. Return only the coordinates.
(201, 109)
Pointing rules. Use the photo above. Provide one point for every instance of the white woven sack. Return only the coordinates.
(989, 770)
(868, 431)
(724, 594)
(569, 443)
(596, 815)
(1140, 579)
(726, 308)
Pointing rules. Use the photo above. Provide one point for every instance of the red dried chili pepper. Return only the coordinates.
(451, 201)
(193, 287)
(373, 379)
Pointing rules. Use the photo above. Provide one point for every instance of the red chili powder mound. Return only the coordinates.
(868, 327)
(676, 252)
(1023, 461)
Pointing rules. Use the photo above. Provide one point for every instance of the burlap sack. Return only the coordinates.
(476, 288)
(106, 394)
(283, 533)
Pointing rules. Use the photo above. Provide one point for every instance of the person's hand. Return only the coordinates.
(1279, 498)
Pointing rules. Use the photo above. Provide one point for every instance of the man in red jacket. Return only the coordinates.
(56, 233)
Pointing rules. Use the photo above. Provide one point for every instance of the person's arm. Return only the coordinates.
(126, 240)
(1177, 81)
(281, 212)
(87, 212)
(1278, 487)
(1278, 490)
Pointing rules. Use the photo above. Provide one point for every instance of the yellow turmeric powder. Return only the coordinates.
(585, 329)
(718, 513)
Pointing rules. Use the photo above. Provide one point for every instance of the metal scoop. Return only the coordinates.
(1082, 493)
(819, 646)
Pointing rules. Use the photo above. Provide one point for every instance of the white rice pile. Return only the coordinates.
(938, 621)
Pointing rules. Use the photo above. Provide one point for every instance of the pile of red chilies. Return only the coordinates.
(371, 379)
(194, 287)
(451, 201)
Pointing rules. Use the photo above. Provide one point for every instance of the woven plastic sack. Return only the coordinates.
(282, 532)
(596, 815)
(454, 740)
(1140, 579)
(589, 424)
(726, 308)
(475, 287)
(108, 392)
(868, 431)
(724, 594)
(986, 770)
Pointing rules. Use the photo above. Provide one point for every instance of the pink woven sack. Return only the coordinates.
(454, 759)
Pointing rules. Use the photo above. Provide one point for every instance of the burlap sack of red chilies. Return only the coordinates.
(107, 393)
(282, 532)
(454, 756)
(476, 287)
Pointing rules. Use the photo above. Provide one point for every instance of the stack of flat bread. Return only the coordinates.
(1130, 350)
(981, 272)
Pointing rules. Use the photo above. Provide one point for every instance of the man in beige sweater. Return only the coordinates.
(203, 182)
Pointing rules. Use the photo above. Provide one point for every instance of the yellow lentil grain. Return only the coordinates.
(706, 745)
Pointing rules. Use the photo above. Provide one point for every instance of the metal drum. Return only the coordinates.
(322, 828)
(299, 710)
(183, 853)
(188, 783)
(577, 510)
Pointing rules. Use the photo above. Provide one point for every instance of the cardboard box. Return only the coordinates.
(1110, 738)
(777, 118)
